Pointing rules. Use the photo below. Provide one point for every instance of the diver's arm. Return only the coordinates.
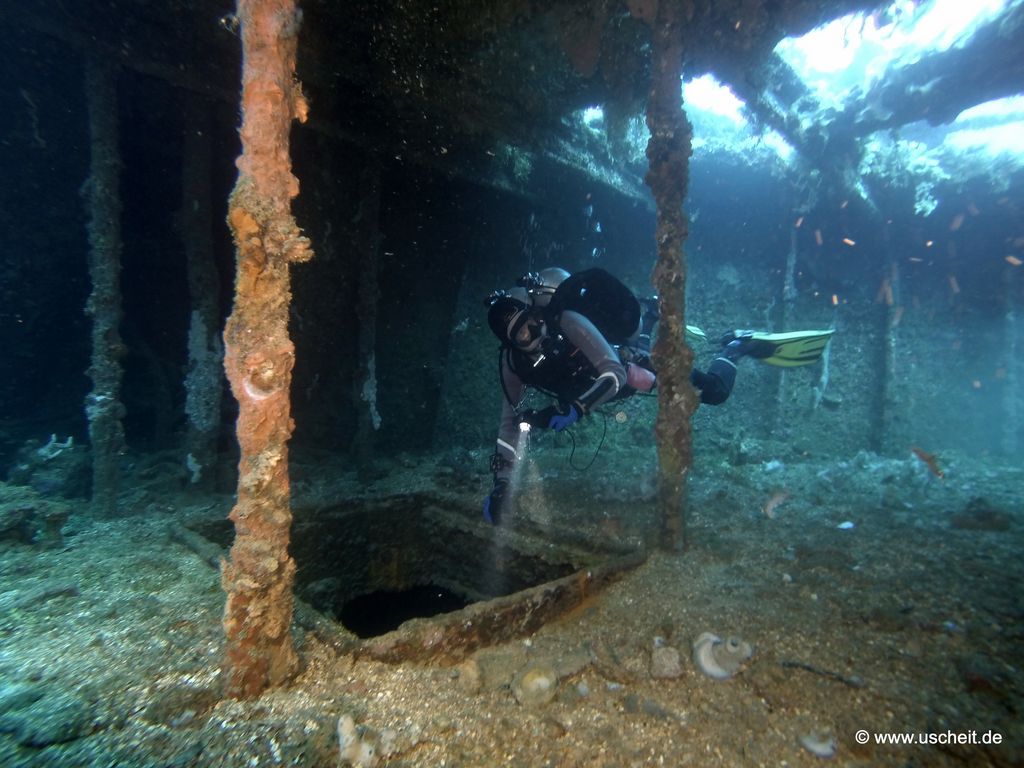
(611, 374)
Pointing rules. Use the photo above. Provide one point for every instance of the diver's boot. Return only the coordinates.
(738, 344)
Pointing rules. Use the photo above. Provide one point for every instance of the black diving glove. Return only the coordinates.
(494, 504)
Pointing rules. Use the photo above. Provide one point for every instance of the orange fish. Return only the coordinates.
(930, 461)
(776, 499)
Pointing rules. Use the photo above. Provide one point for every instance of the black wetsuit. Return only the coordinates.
(577, 365)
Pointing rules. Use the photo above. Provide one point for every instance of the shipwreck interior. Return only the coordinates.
(416, 168)
(441, 150)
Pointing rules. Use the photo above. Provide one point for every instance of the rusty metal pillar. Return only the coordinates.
(1014, 370)
(204, 380)
(259, 355)
(367, 297)
(668, 154)
(103, 405)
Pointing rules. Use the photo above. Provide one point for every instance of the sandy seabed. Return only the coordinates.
(879, 600)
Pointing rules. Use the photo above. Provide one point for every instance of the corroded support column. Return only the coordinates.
(884, 437)
(204, 380)
(789, 294)
(668, 153)
(368, 293)
(1011, 386)
(102, 191)
(259, 355)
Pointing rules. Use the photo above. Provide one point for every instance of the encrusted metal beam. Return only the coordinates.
(103, 406)
(939, 86)
(668, 156)
(259, 355)
(448, 638)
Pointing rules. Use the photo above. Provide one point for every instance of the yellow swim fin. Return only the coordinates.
(693, 333)
(789, 350)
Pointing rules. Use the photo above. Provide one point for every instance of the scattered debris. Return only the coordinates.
(853, 681)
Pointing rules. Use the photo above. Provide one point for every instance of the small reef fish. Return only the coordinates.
(774, 502)
(930, 461)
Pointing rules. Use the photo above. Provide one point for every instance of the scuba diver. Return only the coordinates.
(585, 340)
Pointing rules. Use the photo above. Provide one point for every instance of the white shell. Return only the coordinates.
(355, 749)
(820, 743)
(536, 685)
(717, 658)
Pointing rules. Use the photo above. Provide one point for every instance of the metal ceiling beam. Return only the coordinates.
(941, 85)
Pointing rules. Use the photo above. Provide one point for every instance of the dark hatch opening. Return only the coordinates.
(375, 558)
(375, 565)
(378, 612)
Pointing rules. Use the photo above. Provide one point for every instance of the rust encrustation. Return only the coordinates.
(668, 153)
(259, 355)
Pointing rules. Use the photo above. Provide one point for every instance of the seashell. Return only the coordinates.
(717, 658)
(357, 746)
(536, 686)
(821, 743)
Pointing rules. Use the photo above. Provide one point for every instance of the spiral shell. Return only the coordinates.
(717, 658)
